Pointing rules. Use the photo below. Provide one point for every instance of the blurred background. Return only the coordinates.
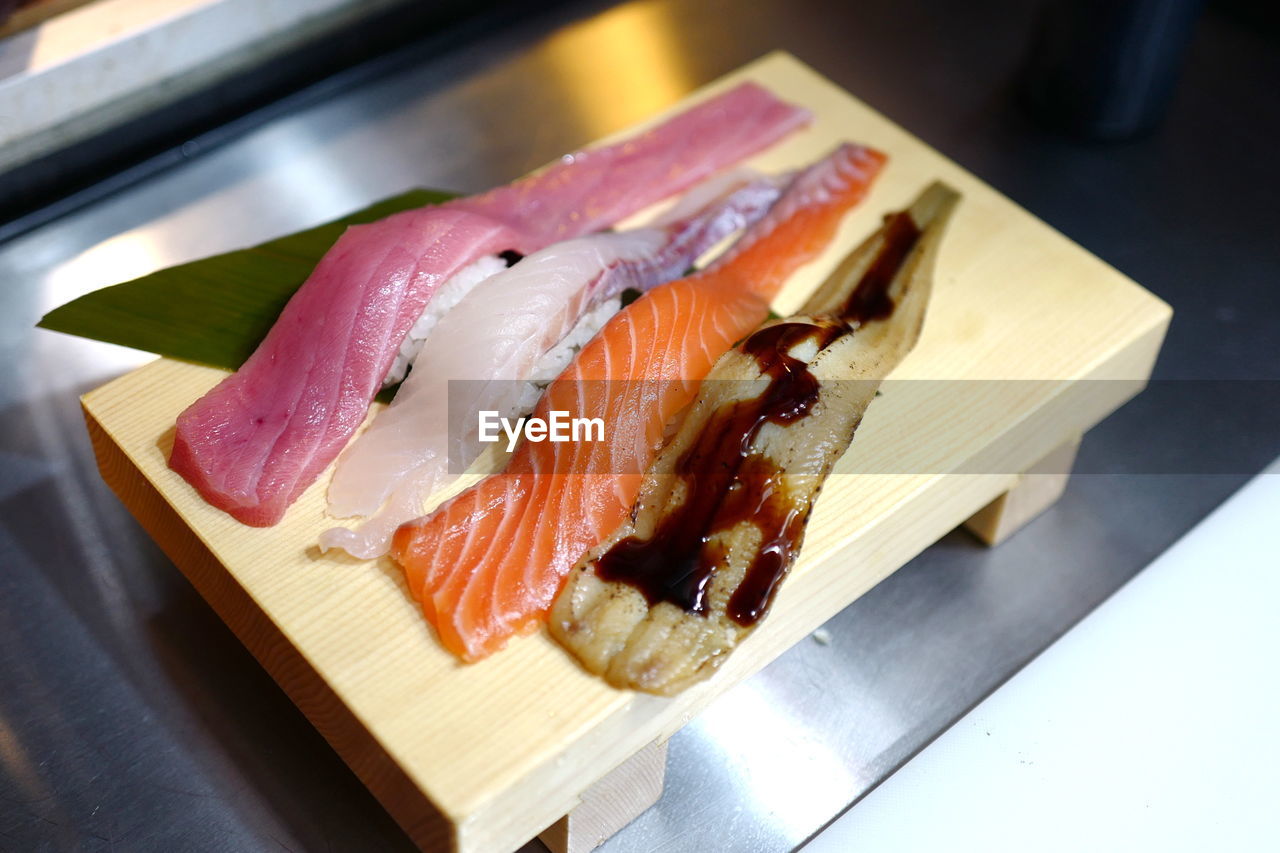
(136, 134)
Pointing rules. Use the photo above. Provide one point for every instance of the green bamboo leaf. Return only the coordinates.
(214, 311)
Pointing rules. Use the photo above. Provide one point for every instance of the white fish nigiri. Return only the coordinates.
(495, 337)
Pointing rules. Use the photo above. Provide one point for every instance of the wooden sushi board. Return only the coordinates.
(484, 757)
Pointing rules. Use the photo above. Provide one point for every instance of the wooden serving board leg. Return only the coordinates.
(1036, 490)
(612, 803)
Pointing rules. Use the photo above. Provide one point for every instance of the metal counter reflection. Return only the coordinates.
(646, 61)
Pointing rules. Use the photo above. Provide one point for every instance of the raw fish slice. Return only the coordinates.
(494, 337)
(446, 296)
(261, 436)
(603, 185)
(487, 564)
(254, 442)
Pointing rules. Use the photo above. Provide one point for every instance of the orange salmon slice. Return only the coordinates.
(487, 564)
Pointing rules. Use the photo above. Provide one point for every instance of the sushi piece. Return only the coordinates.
(494, 338)
(261, 436)
(660, 603)
(488, 563)
(446, 296)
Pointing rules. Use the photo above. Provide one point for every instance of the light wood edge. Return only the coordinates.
(1037, 489)
(612, 803)
(420, 819)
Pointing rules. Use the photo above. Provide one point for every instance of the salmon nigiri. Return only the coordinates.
(488, 563)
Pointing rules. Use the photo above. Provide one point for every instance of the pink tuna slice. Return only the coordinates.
(258, 439)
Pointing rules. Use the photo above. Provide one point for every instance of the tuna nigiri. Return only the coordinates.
(488, 563)
(261, 436)
(495, 338)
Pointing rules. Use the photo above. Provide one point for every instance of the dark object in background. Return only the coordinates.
(11, 22)
(1105, 69)
(1261, 16)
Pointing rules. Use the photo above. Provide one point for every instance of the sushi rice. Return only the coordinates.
(555, 360)
(446, 296)
(548, 366)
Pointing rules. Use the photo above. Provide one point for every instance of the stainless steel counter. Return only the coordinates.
(130, 718)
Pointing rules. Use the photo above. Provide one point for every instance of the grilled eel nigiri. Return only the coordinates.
(660, 603)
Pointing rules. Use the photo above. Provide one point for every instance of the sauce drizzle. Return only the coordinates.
(725, 482)
(870, 300)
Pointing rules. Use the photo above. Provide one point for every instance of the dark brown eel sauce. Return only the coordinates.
(727, 483)
(870, 300)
